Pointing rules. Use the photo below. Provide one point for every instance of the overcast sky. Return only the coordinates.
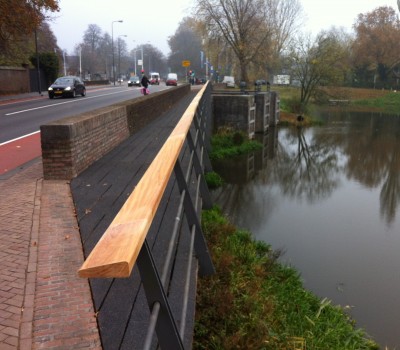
(153, 21)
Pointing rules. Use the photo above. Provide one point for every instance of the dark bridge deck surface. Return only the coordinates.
(99, 193)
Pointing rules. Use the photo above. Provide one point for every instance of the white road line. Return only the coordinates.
(61, 103)
(18, 138)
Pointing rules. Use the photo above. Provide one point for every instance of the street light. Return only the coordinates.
(112, 47)
(65, 69)
(80, 61)
(119, 56)
(141, 49)
(134, 55)
(37, 63)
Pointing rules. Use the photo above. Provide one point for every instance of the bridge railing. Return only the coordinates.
(124, 242)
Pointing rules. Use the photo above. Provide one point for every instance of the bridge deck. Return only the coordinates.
(99, 193)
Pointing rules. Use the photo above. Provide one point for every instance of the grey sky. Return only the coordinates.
(153, 21)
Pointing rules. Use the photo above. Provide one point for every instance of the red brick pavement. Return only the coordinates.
(43, 303)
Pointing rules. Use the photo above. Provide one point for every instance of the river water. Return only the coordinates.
(329, 198)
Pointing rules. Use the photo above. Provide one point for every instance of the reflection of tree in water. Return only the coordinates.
(240, 190)
(306, 164)
(232, 198)
(305, 168)
(299, 168)
(390, 193)
(372, 147)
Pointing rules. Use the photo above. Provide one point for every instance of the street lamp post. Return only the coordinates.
(134, 53)
(142, 58)
(112, 47)
(119, 56)
(65, 69)
(80, 61)
(37, 64)
(142, 62)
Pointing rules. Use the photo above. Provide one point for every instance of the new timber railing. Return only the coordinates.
(124, 242)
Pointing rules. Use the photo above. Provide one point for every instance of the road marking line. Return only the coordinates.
(18, 138)
(61, 103)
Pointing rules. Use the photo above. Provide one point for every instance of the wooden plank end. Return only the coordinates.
(116, 270)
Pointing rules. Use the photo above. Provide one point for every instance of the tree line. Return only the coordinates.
(250, 39)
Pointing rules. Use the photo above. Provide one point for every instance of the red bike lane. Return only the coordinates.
(18, 152)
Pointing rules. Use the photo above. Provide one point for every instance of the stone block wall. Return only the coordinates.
(262, 111)
(72, 144)
(274, 108)
(234, 111)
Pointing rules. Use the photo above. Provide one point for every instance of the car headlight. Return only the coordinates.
(68, 88)
(50, 88)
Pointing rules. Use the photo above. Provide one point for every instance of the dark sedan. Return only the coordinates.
(134, 81)
(68, 86)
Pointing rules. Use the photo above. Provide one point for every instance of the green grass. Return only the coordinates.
(213, 180)
(255, 302)
(389, 102)
(228, 144)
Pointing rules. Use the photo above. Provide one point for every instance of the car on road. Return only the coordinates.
(201, 81)
(172, 79)
(134, 81)
(154, 78)
(68, 86)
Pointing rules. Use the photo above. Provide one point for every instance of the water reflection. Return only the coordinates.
(329, 196)
(308, 162)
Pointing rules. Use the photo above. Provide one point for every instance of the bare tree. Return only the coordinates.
(317, 63)
(93, 49)
(249, 27)
(239, 22)
(92, 37)
(283, 18)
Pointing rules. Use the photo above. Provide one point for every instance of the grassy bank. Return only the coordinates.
(360, 100)
(254, 302)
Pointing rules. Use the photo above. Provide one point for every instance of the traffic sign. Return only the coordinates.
(185, 63)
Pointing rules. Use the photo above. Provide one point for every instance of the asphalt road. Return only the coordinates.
(20, 119)
(23, 117)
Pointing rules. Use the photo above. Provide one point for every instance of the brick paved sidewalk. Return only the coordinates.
(43, 303)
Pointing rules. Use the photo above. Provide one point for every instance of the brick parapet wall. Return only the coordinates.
(72, 144)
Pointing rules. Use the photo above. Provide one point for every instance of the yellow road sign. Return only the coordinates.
(185, 63)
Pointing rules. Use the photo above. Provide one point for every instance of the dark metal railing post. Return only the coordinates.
(166, 329)
(203, 255)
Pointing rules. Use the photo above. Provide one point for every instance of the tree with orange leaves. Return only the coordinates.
(20, 18)
(376, 47)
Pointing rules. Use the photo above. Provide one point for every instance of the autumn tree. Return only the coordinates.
(376, 47)
(20, 18)
(317, 63)
(249, 27)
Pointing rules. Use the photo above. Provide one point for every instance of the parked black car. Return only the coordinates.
(67, 86)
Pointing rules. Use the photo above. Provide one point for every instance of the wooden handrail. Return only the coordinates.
(116, 252)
